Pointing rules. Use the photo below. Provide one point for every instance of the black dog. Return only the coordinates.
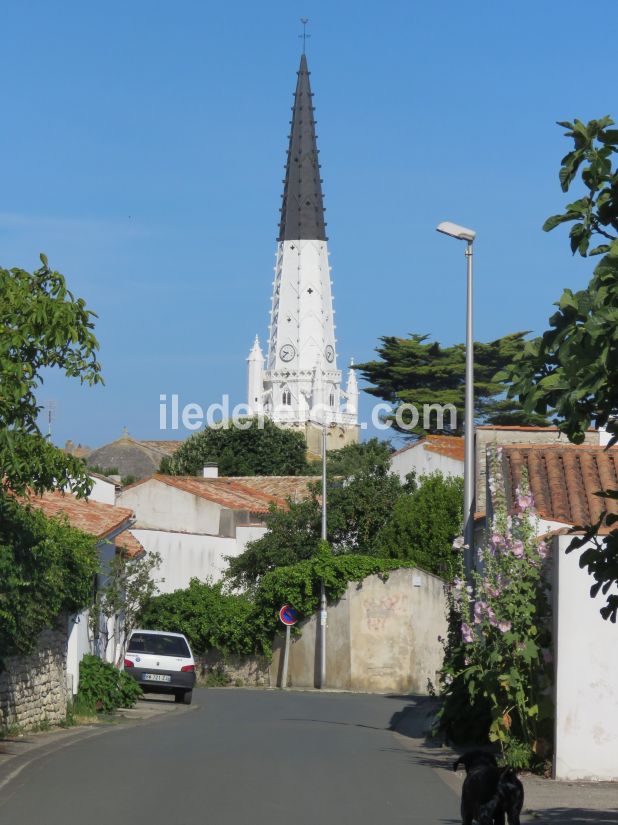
(489, 792)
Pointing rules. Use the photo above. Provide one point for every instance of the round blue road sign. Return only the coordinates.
(288, 615)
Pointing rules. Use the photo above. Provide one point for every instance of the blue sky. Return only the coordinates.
(143, 147)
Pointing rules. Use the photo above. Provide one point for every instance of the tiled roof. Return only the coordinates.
(294, 487)
(451, 446)
(521, 428)
(132, 547)
(227, 492)
(564, 479)
(90, 516)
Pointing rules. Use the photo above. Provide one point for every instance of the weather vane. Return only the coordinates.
(304, 35)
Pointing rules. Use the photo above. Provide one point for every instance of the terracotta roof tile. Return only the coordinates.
(227, 492)
(90, 516)
(294, 487)
(451, 446)
(564, 479)
(132, 547)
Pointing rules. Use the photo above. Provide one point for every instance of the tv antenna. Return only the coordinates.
(50, 406)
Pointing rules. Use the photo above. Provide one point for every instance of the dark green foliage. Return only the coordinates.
(104, 688)
(358, 507)
(267, 451)
(292, 536)
(46, 568)
(241, 624)
(423, 525)
(368, 456)
(573, 366)
(417, 371)
(209, 617)
(43, 326)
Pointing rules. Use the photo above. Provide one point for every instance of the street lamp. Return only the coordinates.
(468, 235)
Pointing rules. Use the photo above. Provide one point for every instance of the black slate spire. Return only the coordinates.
(302, 213)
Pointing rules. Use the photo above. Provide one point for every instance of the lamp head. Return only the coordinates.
(456, 231)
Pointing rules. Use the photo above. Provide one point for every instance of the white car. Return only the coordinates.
(162, 663)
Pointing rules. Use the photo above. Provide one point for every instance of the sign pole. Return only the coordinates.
(286, 656)
(287, 616)
(323, 614)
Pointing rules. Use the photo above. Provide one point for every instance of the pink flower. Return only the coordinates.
(524, 500)
(466, 633)
(517, 549)
(492, 591)
(543, 550)
(479, 608)
(504, 627)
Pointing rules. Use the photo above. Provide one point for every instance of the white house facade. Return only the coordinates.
(430, 454)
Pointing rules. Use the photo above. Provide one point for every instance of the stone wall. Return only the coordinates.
(250, 671)
(33, 688)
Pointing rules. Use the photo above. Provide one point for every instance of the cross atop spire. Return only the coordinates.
(304, 35)
(302, 212)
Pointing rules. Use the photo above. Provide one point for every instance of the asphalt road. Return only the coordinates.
(241, 757)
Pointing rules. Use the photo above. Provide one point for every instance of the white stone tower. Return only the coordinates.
(301, 385)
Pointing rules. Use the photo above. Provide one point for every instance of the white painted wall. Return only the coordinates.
(161, 506)
(585, 647)
(78, 644)
(102, 491)
(424, 462)
(189, 555)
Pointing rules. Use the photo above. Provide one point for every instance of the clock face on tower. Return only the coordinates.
(329, 352)
(287, 352)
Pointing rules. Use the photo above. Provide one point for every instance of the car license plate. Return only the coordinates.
(156, 677)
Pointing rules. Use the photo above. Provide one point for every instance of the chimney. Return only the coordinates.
(211, 470)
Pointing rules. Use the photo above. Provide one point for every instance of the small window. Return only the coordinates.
(332, 399)
(287, 398)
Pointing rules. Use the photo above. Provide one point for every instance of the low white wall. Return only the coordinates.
(586, 648)
(161, 506)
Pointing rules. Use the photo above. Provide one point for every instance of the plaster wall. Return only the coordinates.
(102, 491)
(382, 636)
(160, 506)
(424, 462)
(586, 683)
(186, 555)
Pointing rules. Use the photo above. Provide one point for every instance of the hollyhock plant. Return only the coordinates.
(500, 661)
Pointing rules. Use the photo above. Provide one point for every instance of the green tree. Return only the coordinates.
(367, 456)
(417, 371)
(265, 450)
(573, 367)
(42, 326)
(358, 508)
(127, 585)
(423, 525)
(46, 568)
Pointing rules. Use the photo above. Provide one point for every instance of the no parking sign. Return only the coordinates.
(288, 615)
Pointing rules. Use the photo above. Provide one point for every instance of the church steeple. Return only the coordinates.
(300, 385)
(302, 212)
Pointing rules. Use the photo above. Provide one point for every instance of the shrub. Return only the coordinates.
(46, 569)
(104, 688)
(498, 659)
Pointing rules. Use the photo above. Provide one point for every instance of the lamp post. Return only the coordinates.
(322, 590)
(468, 235)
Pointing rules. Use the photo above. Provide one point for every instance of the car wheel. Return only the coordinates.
(186, 697)
(179, 696)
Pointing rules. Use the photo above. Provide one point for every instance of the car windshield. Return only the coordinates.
(159, 644)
